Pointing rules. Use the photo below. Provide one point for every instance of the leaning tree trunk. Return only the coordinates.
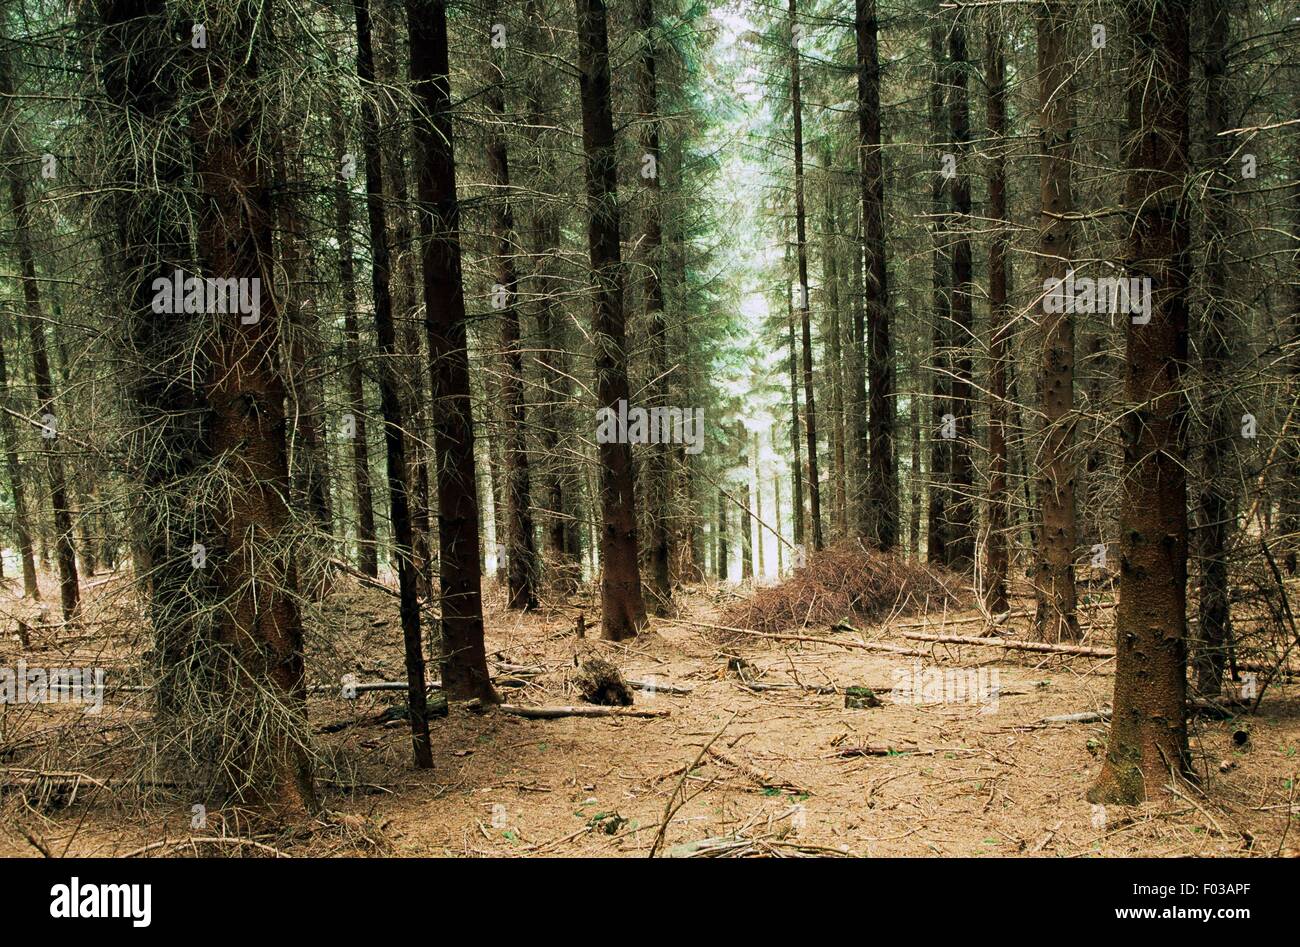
(1148, 735)
(464, 661)
(1056, 618)
(622, 609)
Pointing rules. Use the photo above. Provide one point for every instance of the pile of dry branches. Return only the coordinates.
(844, 582)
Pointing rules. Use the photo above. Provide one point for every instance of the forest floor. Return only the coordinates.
(784, 772)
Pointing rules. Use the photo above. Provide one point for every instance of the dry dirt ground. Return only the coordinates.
(783, 773)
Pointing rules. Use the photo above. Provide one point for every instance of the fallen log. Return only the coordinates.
(1013, 644)
(658, 687)
(777, 636)
(555, 713)
(1047, 648)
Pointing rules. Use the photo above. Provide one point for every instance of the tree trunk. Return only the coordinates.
(881, 507)
(801, 229)
(1148, 735)
(995, 569)
(259, 628)
(1056, 618)
(796, 464)
(521, 552)
(34, 318)
(938, 531)
(464, 662)
(1216, 518)
(390, 398)
(724, 554)
(657, 464)
(22, 529)
(961, 514)
(835, 365)
(368, 554)
(622, 608)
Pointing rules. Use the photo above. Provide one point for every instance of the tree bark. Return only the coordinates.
(521, 551)
(881, 507)
(464, 661)
(1148, 735)
(658, 469)
(961, 513)
(801, 230)
(938, 531)
(390, 400)
(622, 608)
(259, 628)
(33, 317)
(1216, 510)
(995, 568)
(1056, 618)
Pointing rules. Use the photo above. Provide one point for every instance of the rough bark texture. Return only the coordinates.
(652, 299)
(961, 514)
(805, 315)
(259, 629)
(622, 608)
(464, 662)
(390, 400)
(1056, 617)
(521, 551)
(995, 568)
(1148, 735)
(1216, 512)
(881, 507)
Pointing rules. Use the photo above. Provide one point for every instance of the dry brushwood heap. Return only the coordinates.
(842, 582)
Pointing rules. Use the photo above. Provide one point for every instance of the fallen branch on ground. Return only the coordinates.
(762, 777)
(1047, 648)
(554, 713)
(775, 636)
